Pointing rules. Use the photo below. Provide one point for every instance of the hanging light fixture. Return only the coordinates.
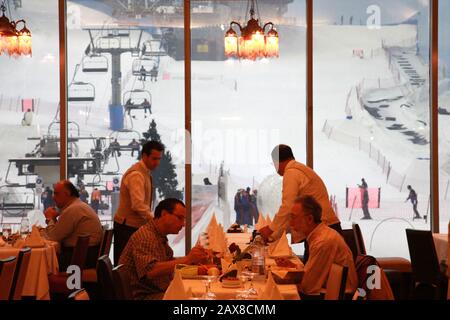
(13, 42)
(253, 43)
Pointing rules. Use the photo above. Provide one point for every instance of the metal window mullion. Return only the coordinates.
(62, 18)
(434, 105)
(187, 124)
(309, 85)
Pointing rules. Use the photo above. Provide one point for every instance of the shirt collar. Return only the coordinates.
(316, 232)
(152, 226)
(290, 164)
(69, 204)
(142, 164)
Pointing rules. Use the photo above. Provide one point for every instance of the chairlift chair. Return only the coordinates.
(146, 64)
(81, 92)
(94, 63)
(137, 99)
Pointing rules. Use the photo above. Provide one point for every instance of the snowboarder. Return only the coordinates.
(413, 198)
(135, 146)
(143, 73)
(147, 106)
(115, 148)
(154, 74)
(365, 199)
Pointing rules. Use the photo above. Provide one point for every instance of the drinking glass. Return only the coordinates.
(24, 228)
(209, 295)
(7, 230)
(250, 275)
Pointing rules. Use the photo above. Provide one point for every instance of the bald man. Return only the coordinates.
(73, 218)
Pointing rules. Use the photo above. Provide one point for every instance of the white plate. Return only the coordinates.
(231, 285)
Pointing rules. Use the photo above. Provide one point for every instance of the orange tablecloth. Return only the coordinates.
(43, 262)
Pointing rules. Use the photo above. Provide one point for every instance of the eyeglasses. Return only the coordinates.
(181, 218)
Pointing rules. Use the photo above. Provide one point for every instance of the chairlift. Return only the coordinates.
(153, 48)
(137, 99)
(81, 92)
(108, 42)
(94, 63)
(143, 66)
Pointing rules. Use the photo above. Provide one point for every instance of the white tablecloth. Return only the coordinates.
(289, 292)
(441, 244)
(43, 262)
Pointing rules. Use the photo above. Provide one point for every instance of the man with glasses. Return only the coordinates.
(148, 258)
(326, 247)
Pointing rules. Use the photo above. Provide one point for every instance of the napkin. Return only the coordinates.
(34, 239)
(271, 291)
(217, 241)
(228, 265)
(212, 225)
(281, 247)
(261, 222)
(268, 220)
(176, 290)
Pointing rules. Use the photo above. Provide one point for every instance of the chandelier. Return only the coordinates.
(253, 43)
(13, 42)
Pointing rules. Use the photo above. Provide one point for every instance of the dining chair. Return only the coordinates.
(7, 267)
(105, 278)
(121, 283)
(397, 264)
(58, 282)
(90, 274)
(337, 279)
(79, 295)
(428, 280)
(350, 240)
(23, 261)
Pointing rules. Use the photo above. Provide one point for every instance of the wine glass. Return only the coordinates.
(24, 228)
(250, 275)
(243, 294)
(209, 295)
(7, 230)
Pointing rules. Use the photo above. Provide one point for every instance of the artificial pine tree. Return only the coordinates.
(164, 177)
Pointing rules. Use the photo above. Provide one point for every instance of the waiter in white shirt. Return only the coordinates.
(136, 196)
(298, 180)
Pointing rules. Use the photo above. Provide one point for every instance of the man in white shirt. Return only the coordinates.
(298, 180)
(73, 219)
(326, 247)
(136, 193)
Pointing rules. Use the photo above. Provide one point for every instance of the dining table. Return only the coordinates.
(43, 261)
(198, 286)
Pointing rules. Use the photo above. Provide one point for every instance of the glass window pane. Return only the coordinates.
(241, 109)
(126, 86)
(371, 116)
(29, 122)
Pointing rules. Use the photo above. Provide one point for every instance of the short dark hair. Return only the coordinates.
(168, 205)
(71, 188)
(152, 145)
(311, 206)
(282, 153)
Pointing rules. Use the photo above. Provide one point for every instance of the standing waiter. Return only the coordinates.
(136, 192)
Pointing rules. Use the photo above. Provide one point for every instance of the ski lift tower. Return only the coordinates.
(115, 41)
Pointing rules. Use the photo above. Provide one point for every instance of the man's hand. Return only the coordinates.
(198, 255)
(51, 213)
(266, 232)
